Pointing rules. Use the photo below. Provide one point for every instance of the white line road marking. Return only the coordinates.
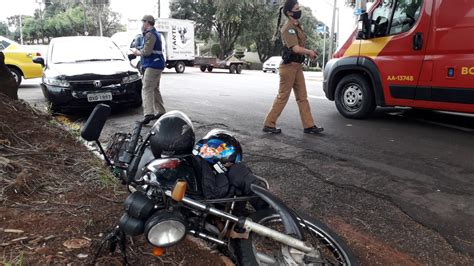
(317, 97)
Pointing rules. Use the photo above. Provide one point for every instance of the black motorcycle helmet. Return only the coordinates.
(220, 149)
(172, 134)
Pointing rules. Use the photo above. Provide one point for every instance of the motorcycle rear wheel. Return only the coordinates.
(254, 250)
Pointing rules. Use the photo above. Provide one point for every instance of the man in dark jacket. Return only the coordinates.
(153, 65)
(8, 85)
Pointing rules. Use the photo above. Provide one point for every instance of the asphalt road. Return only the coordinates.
(403, 178)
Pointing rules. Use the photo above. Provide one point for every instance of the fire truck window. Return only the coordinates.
(380, 18)
(405, 16)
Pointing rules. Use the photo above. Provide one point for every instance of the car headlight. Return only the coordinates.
(131, 78)
(56, 82)
(165, 228)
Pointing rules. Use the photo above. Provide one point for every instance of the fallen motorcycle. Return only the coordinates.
(168, 202)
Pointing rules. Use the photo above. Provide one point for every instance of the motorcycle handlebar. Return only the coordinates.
(134, 138)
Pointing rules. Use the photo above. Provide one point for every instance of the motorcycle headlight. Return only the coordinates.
(139, 206)
(56, 82)
(131, 78)
(165, 229)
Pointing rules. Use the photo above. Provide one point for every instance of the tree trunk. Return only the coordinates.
(8, 85)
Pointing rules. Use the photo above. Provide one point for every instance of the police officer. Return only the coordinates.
(291, 72)
(153, 64)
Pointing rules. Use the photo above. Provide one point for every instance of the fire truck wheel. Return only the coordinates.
(354, 97)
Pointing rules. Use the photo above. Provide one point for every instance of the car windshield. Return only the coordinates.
(4, 43)
(85, 50)
(274, 59)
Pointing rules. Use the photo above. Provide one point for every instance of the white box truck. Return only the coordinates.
(177, 37)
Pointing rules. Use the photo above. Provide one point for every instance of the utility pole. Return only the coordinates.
(324, 46)
(331, 41)
(100, 24)
(85, 17)
(21, 31)
(41, 20)
(99, 13)
(159, 8)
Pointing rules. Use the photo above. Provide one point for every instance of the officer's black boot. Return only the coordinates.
(313, 130)
(272, 130)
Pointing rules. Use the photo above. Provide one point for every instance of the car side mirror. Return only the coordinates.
(131, 56)
(39, 60)
(95, 123)
(363, 27)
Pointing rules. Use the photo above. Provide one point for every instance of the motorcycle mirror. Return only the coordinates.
(131, 56)
(95, 123)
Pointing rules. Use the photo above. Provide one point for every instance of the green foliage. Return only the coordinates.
(249, 23)
(266, 36)
(260, 34)
(4, 31)
(216, 49)
(67, 18)
(226, 18)
(182, 9)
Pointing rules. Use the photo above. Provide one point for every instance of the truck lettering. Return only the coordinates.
(467, 71)
(174, 37)
(400, 78)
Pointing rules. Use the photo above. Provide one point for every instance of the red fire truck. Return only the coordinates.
(415, 53)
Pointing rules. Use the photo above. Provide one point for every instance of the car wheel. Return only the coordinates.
(354, 97)
(232, 69)
(239, 69)
(264, 71)
(209, 68)
(16, 75)
(180, 67)
(203, 68)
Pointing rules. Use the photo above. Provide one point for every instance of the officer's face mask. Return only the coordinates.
(297, 14)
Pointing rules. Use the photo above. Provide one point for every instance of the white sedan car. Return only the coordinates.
(272, 64)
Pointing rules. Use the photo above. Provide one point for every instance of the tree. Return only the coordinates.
(109, 22)
(68, 18)
(226, 18)
(263, 36)
(267, 37)
(309, 24)
(183, 9)
(4, 31)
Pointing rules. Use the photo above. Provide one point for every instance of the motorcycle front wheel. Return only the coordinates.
(258, 250)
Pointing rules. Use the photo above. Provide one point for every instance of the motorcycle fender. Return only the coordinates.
(289, 220)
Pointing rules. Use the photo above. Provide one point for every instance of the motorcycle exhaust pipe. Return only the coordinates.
(275, 235)
(248, 224)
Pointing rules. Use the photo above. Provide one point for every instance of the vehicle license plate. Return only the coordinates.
(98, 97)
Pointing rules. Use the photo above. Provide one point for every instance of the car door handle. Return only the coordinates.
(418, 41)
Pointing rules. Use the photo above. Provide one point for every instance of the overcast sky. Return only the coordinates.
(322, 10)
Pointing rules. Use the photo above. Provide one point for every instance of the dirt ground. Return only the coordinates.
(57, 200)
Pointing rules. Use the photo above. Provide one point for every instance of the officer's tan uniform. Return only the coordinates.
(291, 77)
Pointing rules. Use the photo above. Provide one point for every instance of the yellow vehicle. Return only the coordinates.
(20, 60)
